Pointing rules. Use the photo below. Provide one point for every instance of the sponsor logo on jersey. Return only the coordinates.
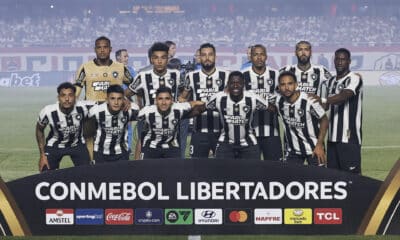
(179, 216)
(208, 216)
(149, 216)
(60, 216)
(89, 216)
(328, 216)
(119, 216)
(298, 216)
(267, 216)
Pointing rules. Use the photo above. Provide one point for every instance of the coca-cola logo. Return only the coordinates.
(119, 216)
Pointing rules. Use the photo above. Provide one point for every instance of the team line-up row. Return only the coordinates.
(235, 114)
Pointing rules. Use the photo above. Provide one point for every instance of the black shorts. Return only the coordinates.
(270, 147)
(149, 153)
(102, 158)
(202, 143)
(293, 158)
(89, 128)
(344, 156)
(79, 155)
(230, 151)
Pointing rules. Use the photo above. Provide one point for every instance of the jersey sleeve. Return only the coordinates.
(327, 75)
(261, 103)
(128, 77)
(137, 84)
(354, 83)
(80, 76)
(43, 118)
(212, 102)
(186, 82)
(134, 112)
(93, 111)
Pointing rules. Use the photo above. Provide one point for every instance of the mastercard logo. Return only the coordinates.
(238, 216)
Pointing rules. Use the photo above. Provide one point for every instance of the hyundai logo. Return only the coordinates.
(208, 214)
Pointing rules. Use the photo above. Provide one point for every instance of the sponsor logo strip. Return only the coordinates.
(267, 216)
(328, 216)
(59, 216)
(149, 216)
(298, 216)
(237, 216)
(119, 216)
(89, 216)
(208, 216)
(182, 216)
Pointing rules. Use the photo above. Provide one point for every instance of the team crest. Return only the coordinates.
(174, 122)
(300, 112)
(115, 74)
(218, 82)
(246, 109)
(78, 116)
(270, 81)
(105, 74)
(340, 87)
(124, 119)
(314, 76)
(171, 82)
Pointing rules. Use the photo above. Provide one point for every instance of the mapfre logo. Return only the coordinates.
(119, 216)
(328, 216)
(267, 216)
(208, 216)
(61, 216)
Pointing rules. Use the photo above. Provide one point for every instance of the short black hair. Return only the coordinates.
(286, 73)
(345, 51)
(158, 46)
(303, 42)
(103, 38)
(258, 46)
(115, 88)
(207, 45)
(119, 51)
(163, 89)
(235, 74)
(66, 85)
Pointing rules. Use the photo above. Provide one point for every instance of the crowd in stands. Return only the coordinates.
(135, 31)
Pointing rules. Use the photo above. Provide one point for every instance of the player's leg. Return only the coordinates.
(199, 145)
(89, 131)
(151, 153)
(54, 156)
(293, 158)
(173, 152)
(332, 156)
(183, 133)
(225, 151)
(350, 157)
(250, 152)
(138, 147)
(79, 155)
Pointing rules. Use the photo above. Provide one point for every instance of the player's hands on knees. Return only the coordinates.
(319, 153)
(43, 163)
(126, 105)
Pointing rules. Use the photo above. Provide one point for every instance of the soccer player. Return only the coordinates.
(162, 124)
(112, 124)
(237, 108)
(305, 123)
(147, 82)
(345, 125)
(121, 55)
(311, 78)
(65, 137)
(262, 80)
(203, 84)
(96, 76)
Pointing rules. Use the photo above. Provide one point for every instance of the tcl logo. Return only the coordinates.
(328, 216)
(119, 216)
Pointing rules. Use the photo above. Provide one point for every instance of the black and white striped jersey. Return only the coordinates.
(65, 129)
(265, 123)
(112, 129)
(310, 81)
(345, 123)
(148, 82)
(301, 123)
(237, 117)
(162, 131)
(204, 86)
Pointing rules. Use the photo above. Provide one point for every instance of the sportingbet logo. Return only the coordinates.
(328, 216)
(267, 216)
(119, 216)
(298, 216)
(179, 216)
(59, 216)
(16, 80)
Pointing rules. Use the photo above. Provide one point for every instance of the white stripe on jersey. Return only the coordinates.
(204, 86)
(263, 85)
(237, 117)
(301, 123)
(308, 81)
(65, 129)
(161, 131)
(149, 82)
(346, 119)
(111, 133)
